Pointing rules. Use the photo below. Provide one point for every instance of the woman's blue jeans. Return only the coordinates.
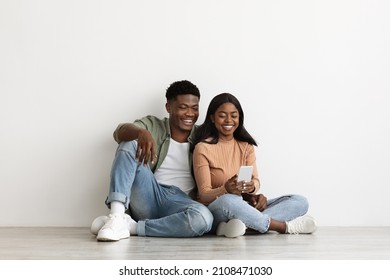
(160, 210)
(284, 208)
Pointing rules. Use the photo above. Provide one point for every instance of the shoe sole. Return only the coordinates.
(102, 237)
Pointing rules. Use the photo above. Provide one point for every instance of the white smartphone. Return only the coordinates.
(245, 173)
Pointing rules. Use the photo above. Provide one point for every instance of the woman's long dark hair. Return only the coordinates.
(208, 130)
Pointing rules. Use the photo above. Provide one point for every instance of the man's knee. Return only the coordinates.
(201, 219)
(128, 146)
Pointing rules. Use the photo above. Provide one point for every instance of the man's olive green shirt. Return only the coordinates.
(161, 133)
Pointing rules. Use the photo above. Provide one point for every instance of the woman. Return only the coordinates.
(222, 145)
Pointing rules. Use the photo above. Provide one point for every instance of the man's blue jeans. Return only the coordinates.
(284, 208)
(160, 210)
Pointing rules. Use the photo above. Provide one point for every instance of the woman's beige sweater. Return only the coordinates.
(214, 164)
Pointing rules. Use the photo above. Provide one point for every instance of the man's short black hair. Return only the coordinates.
(181, 87)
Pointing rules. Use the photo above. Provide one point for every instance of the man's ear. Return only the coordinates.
(168, 107)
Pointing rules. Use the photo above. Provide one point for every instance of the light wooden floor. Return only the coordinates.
(327, 243)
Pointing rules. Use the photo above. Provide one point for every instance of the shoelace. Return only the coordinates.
(113, 221)
(296, 227)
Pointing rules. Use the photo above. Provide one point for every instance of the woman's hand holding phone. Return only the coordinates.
(241, 183)
(245, 183)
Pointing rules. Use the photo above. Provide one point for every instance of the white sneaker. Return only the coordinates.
(233, 228)
(97, 224)
(303, 224)
(115, 228)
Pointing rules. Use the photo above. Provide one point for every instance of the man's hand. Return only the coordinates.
(258, 201)
(146, 149)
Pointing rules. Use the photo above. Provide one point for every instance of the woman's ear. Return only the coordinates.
(212, 118)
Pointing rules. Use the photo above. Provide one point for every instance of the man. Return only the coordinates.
(151, 175)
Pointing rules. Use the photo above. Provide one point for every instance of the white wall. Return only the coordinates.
(312, 76)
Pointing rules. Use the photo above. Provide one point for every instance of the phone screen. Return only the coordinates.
(245, 173)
